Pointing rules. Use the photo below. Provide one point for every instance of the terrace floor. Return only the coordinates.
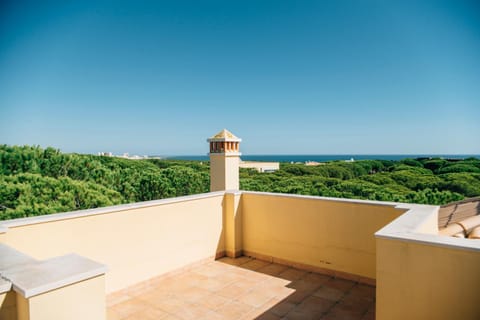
(243, 288)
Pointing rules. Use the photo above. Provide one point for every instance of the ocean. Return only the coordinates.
(328, 157)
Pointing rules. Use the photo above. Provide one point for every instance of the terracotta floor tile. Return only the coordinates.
(206, 270)
(212, 315)
(233, 291)
(191, 278)
(243, 259)
(129, 307)
(234, 310)
(192, 294)
(170, 316)
(255, 276)
(272, 302)
(255, 264)
(227, 277)
(169, 304)
(315, 305)
(213, 284)
(148, 314)
(355, 307)
(328, 293)
(138, 290)
(153, 296)
(248, 283)
(254, 313)
(236, 262)
(297, 296)
(340, 284)
(282, 308)
(363, 291)
(229, 289)
(273, 269)
(311, 308)
(213, 301)
(228, 260)
(275, 281)
(316, 278)
(172, 285)
(267, 316)
(273, 289)
(301, 315)
(192, 312)
(254, 298)
(292, 274)
(357, 302)
(339, 312)
(304, 285)
(244, 273)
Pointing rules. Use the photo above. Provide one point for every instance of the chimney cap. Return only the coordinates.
(224, 135)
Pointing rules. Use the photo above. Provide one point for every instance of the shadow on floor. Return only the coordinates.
(313, 296)
(244, 289)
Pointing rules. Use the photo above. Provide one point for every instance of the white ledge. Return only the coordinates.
(4, 225)
(397, 205)
(5, 285)
(408, 226)
(11, 258)
(40, 277)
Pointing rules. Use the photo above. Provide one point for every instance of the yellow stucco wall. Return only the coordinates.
(8, 305)
(224, 172)
(328, 234)
(79, 301)
(423, 281)
(232, 217)
(135, 244)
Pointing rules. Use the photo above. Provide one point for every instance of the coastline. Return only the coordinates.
(327, 157)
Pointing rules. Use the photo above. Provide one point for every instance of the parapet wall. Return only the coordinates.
(334, 236)
(143, 240)
(423, 275)
(419, 274)
(136, 241)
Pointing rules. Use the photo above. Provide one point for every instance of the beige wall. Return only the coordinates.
(232, 217)
(224, 172)
(331, 234)
(80, 301)
(135, 244)
(424, 281)
(8, 305)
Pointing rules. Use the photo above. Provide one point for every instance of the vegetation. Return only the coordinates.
(35, 181)
(425, 181)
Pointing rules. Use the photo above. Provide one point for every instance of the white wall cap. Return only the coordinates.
(104, 210)
(344, 200)
(5, 285)
(11, 258)
(405, 228)
(51, 274)
(410, 220)
(234, 192)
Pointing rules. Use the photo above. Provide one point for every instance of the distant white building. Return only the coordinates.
(260, 166)
(105, 154)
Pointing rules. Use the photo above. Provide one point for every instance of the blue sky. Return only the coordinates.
(289, 77)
